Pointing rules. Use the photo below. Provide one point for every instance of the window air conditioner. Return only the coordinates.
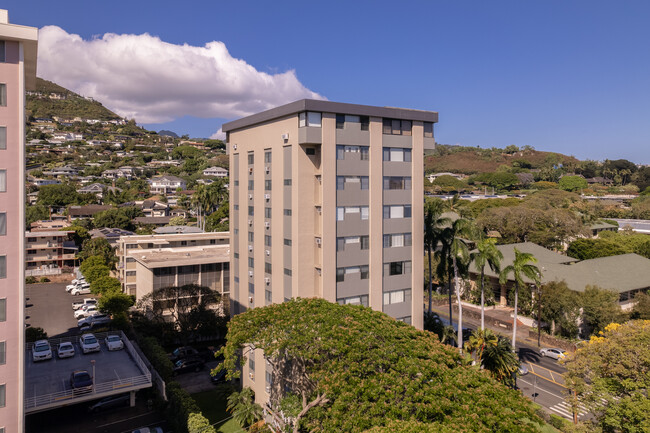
(234, 147)
(268, 252)
(267, 280)
(268, 389)
(251, 376)
(267, 224)
(285, 136)
(318, 241)
(250, 170)
(250, 248)
(267, 169)
(250, 222)
(267, 197)
(250, 196)
(250, 274)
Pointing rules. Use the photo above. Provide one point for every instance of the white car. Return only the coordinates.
(84, 312)
(92, 321)
(65, 350)
(41, 351)
(81, 290)
(86, 301)
(89, 343)
(114, 342)
(553, 353)
(148, 430)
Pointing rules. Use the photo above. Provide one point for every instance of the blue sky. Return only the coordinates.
(565, 76)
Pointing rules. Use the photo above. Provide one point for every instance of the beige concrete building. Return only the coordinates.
(178, 248)
(49, 250)
(18, 50)
(327, 201)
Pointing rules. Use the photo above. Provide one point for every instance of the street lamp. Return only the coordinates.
(92, 362)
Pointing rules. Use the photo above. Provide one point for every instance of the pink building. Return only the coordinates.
(18, 49)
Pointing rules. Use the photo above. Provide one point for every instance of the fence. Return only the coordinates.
(42, 272)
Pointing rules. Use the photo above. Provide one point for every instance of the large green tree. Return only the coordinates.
(610, 377)
(599, 309)
(355, 368)
(98, 247)
(573, 183)
(522, 266)
(57, 195)
(560, 308)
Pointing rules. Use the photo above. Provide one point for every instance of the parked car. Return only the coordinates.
(69, 287)
(81, 381)
(41, 351)
(183, 352)
(553, 353)
(110, 402)
(148, 430)
(219, 377)
(65, 350)
(85, 301)
(87, 311)
(84, 289)
(93, 321)
(114, 342)
(89, 343)
(188, 364)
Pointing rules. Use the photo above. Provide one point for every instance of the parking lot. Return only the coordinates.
(49, 306)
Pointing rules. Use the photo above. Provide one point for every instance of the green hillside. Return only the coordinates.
(42, 104)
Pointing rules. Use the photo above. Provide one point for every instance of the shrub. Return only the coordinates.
(30, 280)
(34, 334)
(558, 422)
(180, 406)
(44, 280)
(157, 356)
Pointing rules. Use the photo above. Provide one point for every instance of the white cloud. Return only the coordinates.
(219, 135)
(152, 81)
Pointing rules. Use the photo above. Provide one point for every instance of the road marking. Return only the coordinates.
(546, 378)
(566, 411)
(126, 419)
(542, 389)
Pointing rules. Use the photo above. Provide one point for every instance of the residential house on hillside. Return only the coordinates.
(166, 184)
(164, 163)
(78, 212)
(111, 234)
(152, 208)
(216, 172)
(41, 182)
(599, 180)
(62, 136)
(125, 172)
(434, 176)
(98, 189)
(48, 251)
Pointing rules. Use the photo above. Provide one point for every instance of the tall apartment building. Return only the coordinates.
(327, 201)
(18, 49)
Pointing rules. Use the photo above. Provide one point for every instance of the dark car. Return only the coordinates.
(219, 377)
(110, 402)
(182, 353)
(81, 381)
(188, 364)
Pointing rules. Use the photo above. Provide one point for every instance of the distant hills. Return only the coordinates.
(167, 133)
(49, 99)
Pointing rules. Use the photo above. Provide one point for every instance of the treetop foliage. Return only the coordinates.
(360, 368)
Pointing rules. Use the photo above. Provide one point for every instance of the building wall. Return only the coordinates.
(12, 159)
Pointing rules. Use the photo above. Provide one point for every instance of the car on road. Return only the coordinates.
(523, 370)
(93, 321)
(41, 351)
(554, 353)
(81, 381)
(148, 430)
(65, 350)
(114, 342)
(85, 301)
(110, 402)
(188, 364)
(89, 343)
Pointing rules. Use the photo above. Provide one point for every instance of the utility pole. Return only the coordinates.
(539, 316)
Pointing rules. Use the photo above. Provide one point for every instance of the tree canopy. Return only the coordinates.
(610, 377)
(57, 195)
(357, 369)
(573, 183)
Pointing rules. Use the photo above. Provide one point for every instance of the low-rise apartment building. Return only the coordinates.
(49, 250)
(166, 184)
(129, 248)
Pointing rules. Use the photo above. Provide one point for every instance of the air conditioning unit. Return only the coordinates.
(267, 224)
(234, 147)
(268, 252)
(250, 274)
(285, 136)
(250, 170)
(268, 389)
(251, 376)
(319, 241)
(250, 248)
(250, 196)
(267, 197)
(250, 223)
(267, 169)
(267, 280)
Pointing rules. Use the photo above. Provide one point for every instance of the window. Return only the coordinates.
(397, 268)
(365, 122)
(406, 320)
(310, 151)
(287, 212)
(267, 240)
(340, 121)
(267, 156)
(130, 273)
(354, 300)
(3, 137)
(3, 180)
(236, 255)
(268, 297)
(251, 158)
(251, 289)
(365, 242)
(342, 151)
(397, 182)
(3, 223)
(251, 211)
(349, 270)
(287, 242)
(267, 185)
(397, 296)
(364, 272)
(3, 95)
(3, 266)
(398, 240)
(3, 396)
(31, 251)
(268, 268)
(397, 127)
(3, 309)
(428, 129)
(251, 185)
(397, 154)
(251, 262)
(309, 118)
(342, 211)
(267, 212)
(3, 57)
(251, 363)
(3, 352)
(287, 272)
(269, 375)
(251, 236)
(398, 211)
(343, 181)
(287, 182)
(236, 207)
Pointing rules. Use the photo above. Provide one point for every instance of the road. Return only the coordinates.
(544, 383)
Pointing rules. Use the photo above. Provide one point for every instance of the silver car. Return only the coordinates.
(89, 343)
(554, 353)
(65, 350)
(41, 351)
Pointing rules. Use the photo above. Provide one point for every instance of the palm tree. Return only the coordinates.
(486, 253)
(456, 245)
(243, 408)
(500, 360)
(478, 341)
(433, 226)
(521, 267)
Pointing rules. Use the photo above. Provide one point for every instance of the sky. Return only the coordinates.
(563, 76)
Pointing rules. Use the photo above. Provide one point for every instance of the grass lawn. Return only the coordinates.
(213, 406)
